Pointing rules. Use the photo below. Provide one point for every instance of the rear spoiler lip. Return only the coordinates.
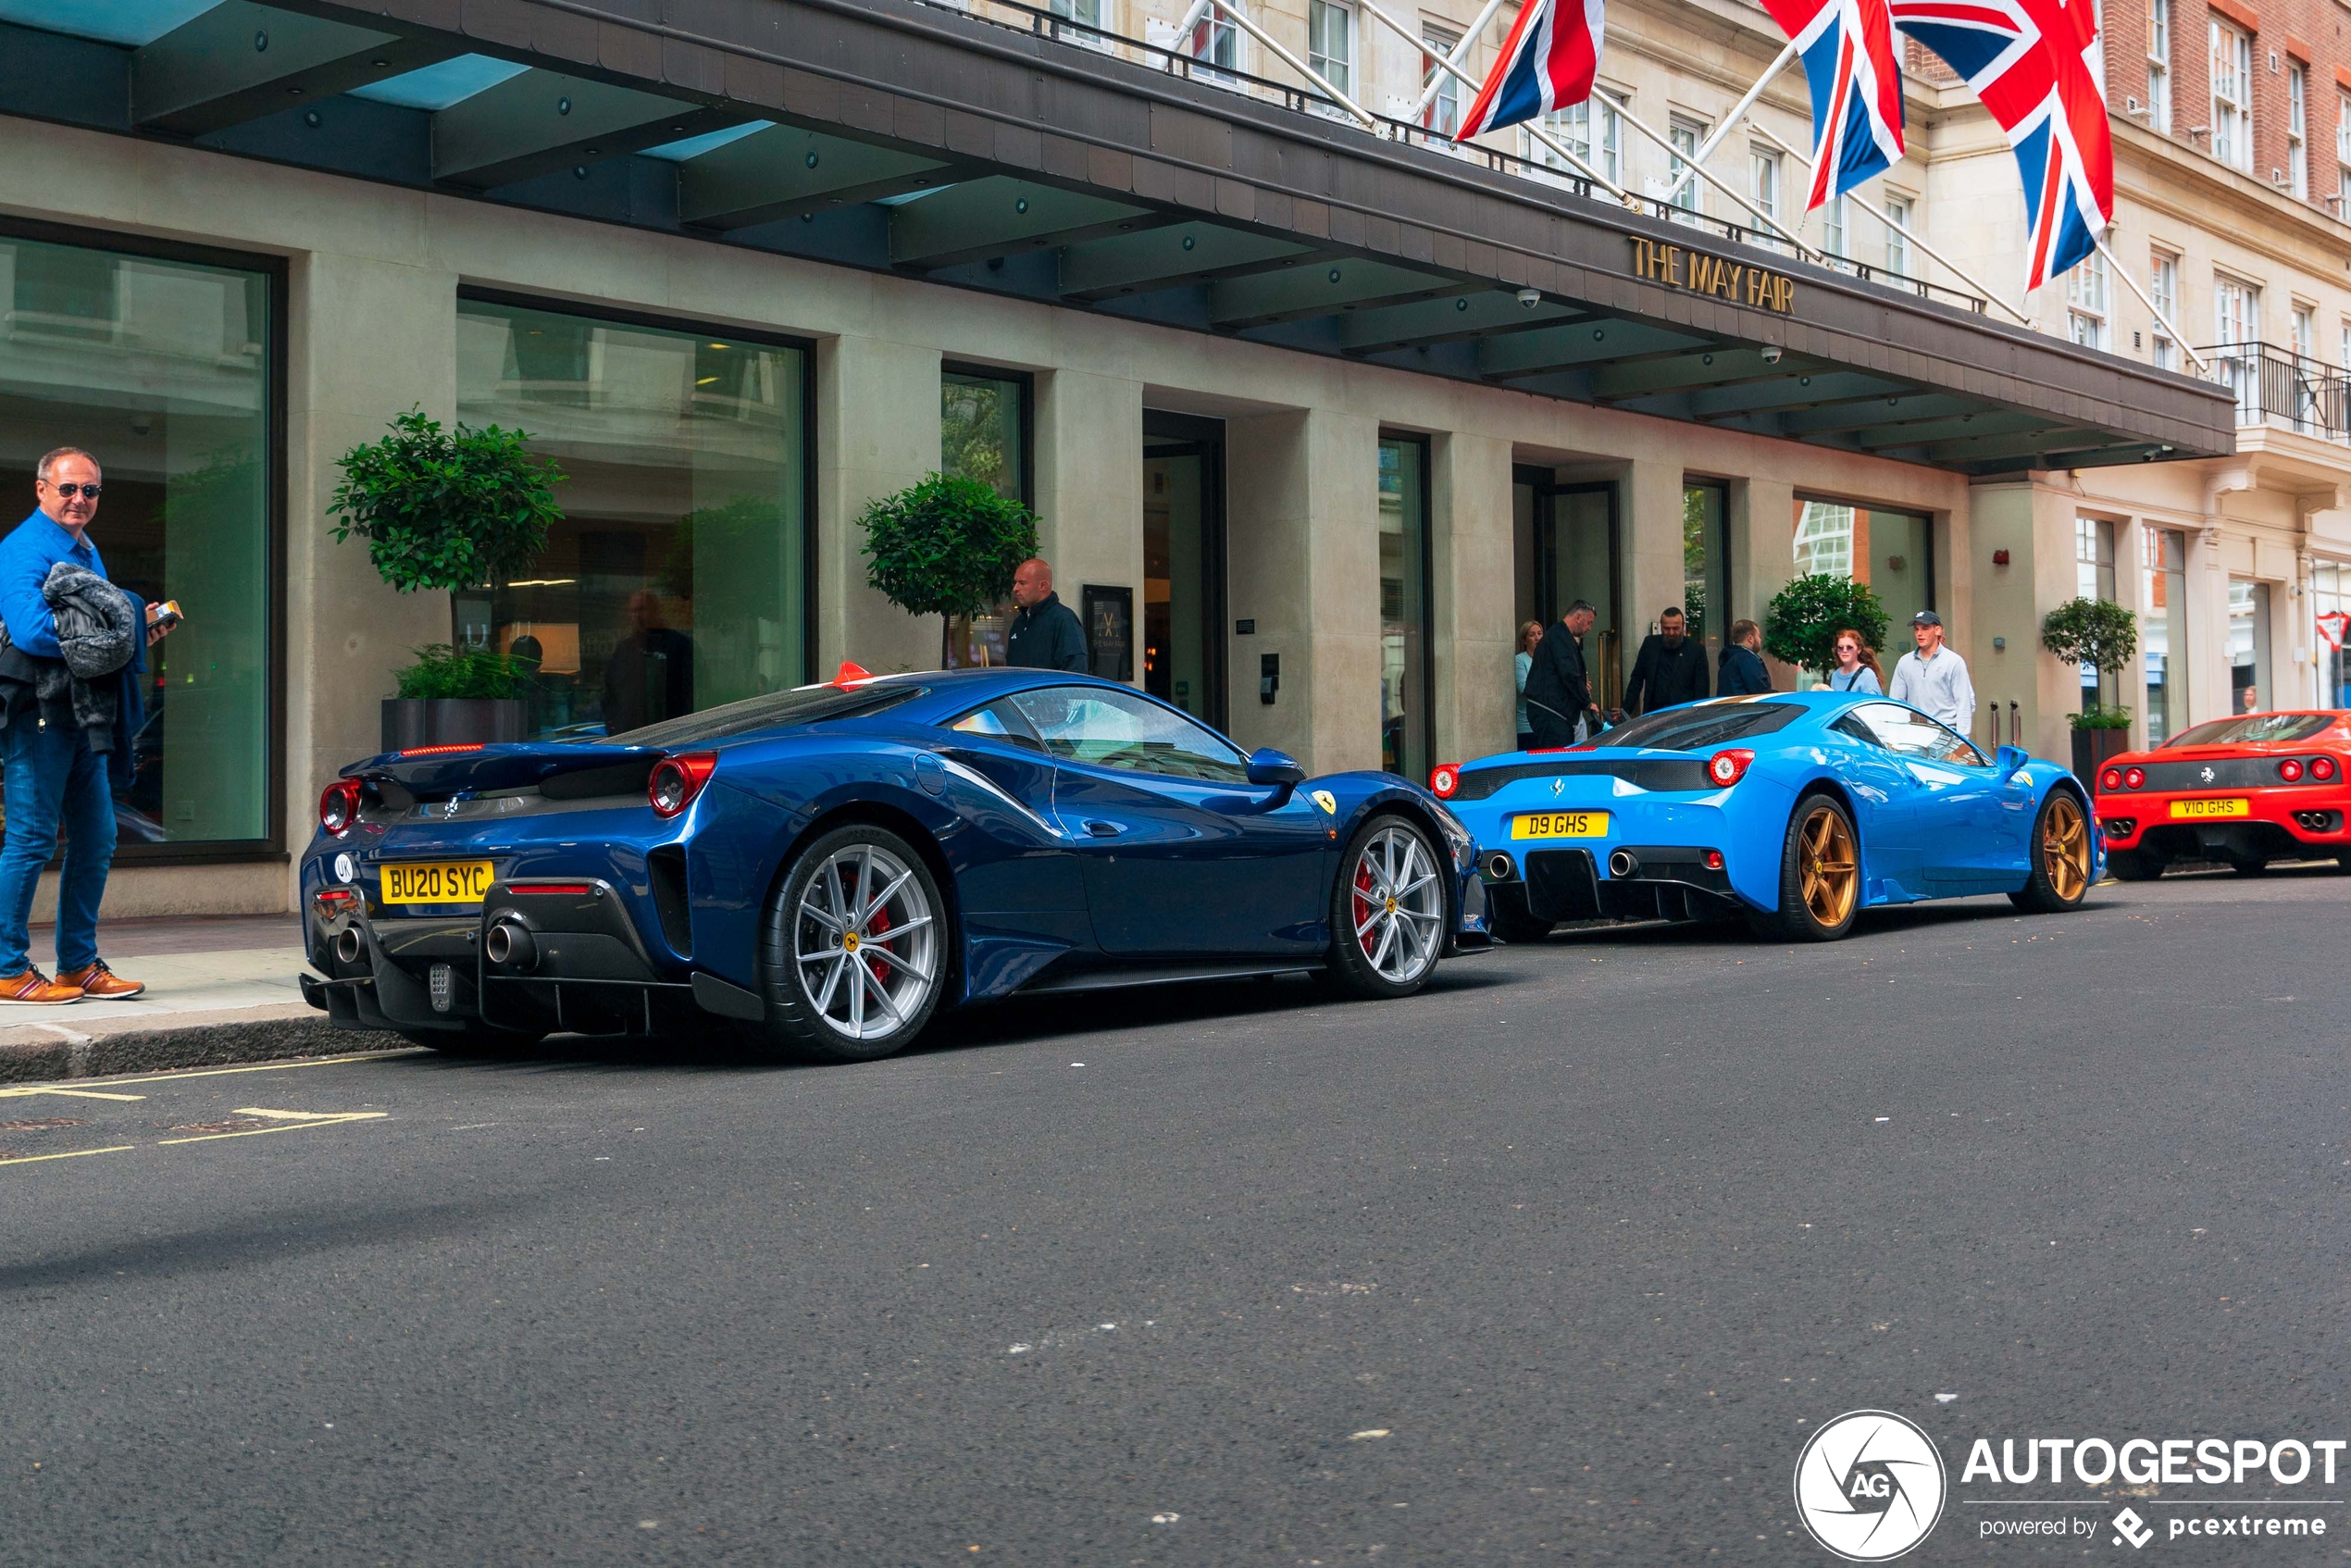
(496, 766)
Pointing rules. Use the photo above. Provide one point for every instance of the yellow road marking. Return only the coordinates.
(306, 1120)
(72, 1154)
(272, 1066)
(68, 1093)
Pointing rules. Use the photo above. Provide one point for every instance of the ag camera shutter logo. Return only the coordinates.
(1869, 1485)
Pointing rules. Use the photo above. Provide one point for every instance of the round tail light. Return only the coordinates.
(675, 781)
(1729, 767)
(2323, 768)
(2290, 771)
(2110, 780)
(2133, 776)
(1445, 779)
(339, 807)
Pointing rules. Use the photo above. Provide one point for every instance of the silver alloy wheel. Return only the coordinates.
(865, 943)
(1399, 908)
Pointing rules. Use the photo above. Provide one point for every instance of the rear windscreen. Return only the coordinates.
(1696, 729)
(808, 704)
(2253, 730)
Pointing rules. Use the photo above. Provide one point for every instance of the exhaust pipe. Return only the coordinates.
(348, 947)
(1497, 866)
(1622, 865)
(510, 946)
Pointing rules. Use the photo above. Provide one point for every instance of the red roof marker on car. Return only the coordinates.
(849, 675)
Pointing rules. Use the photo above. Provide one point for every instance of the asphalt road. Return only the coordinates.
(1560, 1262)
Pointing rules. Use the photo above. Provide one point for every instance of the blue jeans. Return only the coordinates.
(53, 776)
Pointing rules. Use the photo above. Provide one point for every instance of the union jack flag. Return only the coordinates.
(1547, 63)
(1848, 47)
(2038, 67)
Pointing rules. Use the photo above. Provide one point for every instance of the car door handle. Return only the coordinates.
(1100, 830)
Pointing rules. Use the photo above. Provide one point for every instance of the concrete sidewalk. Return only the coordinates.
(219, 989)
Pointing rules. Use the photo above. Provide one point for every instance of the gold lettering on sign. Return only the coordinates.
(1740, 283)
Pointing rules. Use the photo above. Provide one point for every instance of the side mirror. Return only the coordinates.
(1278, 770)
(2011, 761)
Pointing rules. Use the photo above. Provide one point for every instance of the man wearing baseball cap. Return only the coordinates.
(1932, 677)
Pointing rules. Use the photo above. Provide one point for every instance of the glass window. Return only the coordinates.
(676, 579)
(2094, 578)
(1890, 551)
(2160, 65)
(2087, 300)
(1403, 605)
(2237, 312)
(1444, 112)
(2163, 630)
(807, 704)
(2297, 129)
(1113, 728)
(1088, 12)
(1897, 243)
(2163, 281)
(1572, 128)
(2330, 594)
(1216, 41)
(1763, 189)
(983, 435)
(2249, 689)
(2256, 729)
(1690, 200)
(164, 371)
(1832, 225)
(2231, 69)
(1706, 563)
(1704, 725)
(1330, 41)
(1001, 720)
(1909, 733)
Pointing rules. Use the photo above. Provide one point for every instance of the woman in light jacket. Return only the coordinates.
(1528, 636)
(1855, 666)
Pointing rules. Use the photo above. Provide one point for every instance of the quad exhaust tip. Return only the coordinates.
(509, 945)
(348, 946)
(1622, 865)
(1497, 866)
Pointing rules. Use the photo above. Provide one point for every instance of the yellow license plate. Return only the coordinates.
(444, 881)
(2239, 807)
(1560, 824)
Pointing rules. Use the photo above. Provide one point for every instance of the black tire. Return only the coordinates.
(807, 1011)
(2058, 853)
(2135, 865)
(476, 1040)
(1394, 954)
(1820, 865)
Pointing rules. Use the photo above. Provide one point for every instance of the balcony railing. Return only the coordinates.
(2283, 389)
(1301, 98)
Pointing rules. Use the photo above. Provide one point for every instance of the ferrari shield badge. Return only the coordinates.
(1328, 801)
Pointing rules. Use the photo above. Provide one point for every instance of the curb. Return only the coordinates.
(225, 1042)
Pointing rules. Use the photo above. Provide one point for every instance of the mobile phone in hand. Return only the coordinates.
(166, 615)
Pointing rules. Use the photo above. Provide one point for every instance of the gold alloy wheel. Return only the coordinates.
(2065, 848)
(1830, 873)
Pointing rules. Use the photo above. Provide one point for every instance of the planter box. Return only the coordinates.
(453, 721)
(2090, 750)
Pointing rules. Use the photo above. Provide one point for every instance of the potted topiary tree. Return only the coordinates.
(946, 547)
(448, 510)
(1802, 621)
(2105, 636)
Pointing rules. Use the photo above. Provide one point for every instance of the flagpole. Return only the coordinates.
(1956, 271)
(1633, 119)
(1534, 128)
(2161, 319)
(1689, 164)
(1453, 61)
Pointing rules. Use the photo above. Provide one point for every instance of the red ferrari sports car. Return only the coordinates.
(2242, 792)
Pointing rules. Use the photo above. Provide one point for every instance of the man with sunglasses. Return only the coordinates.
(53, 779)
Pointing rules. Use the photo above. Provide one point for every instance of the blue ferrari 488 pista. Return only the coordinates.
(828, 866)
(1795, 810)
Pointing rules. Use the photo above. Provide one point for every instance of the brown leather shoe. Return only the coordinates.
(99, 983)
(33, 989)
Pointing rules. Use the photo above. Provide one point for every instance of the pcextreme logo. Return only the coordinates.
(1869, 1485)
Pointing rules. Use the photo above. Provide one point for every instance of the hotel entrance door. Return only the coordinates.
(1576, 557)
(1183, 619)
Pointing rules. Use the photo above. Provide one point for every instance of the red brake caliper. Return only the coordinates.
(874, 937)
(1362, 904)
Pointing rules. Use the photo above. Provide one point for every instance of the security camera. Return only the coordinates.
(1530, 298)
(1772, 353)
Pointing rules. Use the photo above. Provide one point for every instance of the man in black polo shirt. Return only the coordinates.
(1045, 635)
(1671, 668)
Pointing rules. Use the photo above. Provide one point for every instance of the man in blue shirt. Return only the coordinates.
(53, 776)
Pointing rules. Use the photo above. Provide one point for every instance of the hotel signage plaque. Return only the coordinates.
(1741, 283)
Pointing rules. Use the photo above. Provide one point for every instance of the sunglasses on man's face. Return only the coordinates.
(70, 490)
